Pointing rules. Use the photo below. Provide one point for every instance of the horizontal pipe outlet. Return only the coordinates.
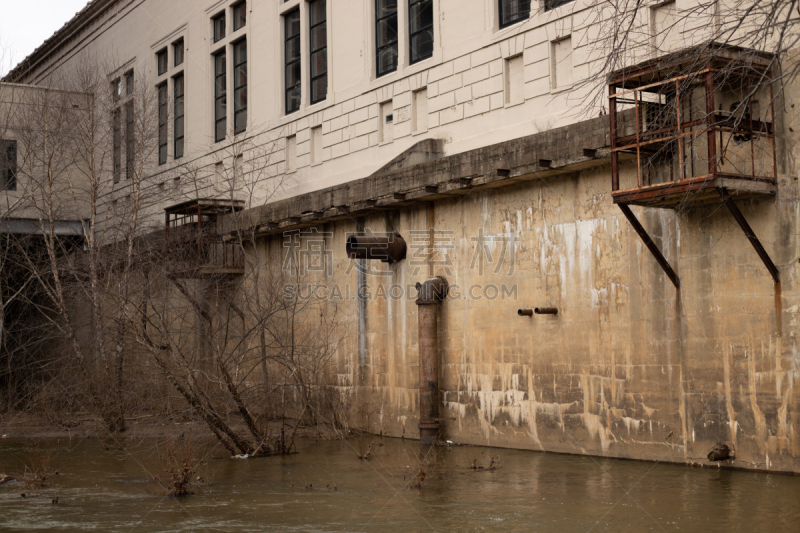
(546, 311)
(388, 248)
(525, 312)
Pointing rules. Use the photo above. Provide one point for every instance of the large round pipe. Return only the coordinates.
(431, 293)
(525, 312)
(546, 311)
(388, 248)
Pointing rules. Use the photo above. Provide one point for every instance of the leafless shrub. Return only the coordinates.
(176, 472)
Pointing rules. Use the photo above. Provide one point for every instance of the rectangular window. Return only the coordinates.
(292, 54)
(117, 155)
(116, 90)
(386, 35)
(239, 16)
(178, 130)
(8, 165)
(220, 97)
(562, 63)
(419, 114)
(552, 4)
(420, 17)
(163, 113)
(129, 83)
(319, 51)
(219, 27)
(130, 140)
(178, 51)
(316, 145)
(163, 63)
(513, 11)
(240, 86)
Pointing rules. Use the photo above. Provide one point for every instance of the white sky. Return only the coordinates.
(24, 25)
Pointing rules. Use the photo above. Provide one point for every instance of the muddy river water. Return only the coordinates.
(326, 487)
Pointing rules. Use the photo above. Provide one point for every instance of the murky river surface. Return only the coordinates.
(109, 490)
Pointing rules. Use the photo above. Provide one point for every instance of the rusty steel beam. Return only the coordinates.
(748, 231)
(650, 245)
(431, 294)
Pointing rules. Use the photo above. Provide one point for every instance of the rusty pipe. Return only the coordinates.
(431, 293)
(388, 248)
(546, 311)
(525, 312)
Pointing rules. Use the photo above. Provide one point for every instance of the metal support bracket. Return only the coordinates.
(748, 231)
(650, 245)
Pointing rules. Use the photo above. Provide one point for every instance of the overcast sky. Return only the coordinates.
(24, 25)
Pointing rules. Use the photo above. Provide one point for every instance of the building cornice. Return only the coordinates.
(70, 30)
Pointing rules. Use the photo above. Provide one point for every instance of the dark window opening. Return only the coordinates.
(219, 27)
(292, 60)
(163, 64)
(420, 25)
(178, 52)
(178, 131)
(129, 83)
(240, 86)
(8, 165)
(239, 16)
(220, 97)
(319, 51)
(386, 35)
(117, 154)
(130, 136)
(163, 113)
(116, 90)
(552, 4)
(513, 11)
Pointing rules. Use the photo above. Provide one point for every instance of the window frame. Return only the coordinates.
(8, 165)
(550, 5)
(163, 123)
(395, 43)
(220, 94)
(219, 27)
(237, 88)
(287, 63)
(162, 67)
(178, 118)
(516, 20)
(320, 50)
(411, 33)
(235, 11)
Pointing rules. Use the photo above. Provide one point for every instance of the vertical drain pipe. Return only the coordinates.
(431, 294)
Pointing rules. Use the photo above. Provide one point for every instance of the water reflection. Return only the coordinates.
(326, 487)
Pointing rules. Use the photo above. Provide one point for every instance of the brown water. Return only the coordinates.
(109, 490)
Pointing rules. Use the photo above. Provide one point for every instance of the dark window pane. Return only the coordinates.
(130, 145)
(422, 45)
(293, 49)
(319, 37)
(162, 62)
(421, 15)
(8, 165)
(240, 99)
(292, 74)
(219, 133)
(162, 123)
(220, 64)
(239, 16)
(293, 24)
(178, 127)
(240, 121)
(219, 28)
(386, 7)
(552, 4)
(219, 112)
(387, 30)
(129, 83)
(387, 59)
(179, 145)
(317, 12)
(240, 76)
(319, 63)
(293, 99)
(513, 11)
(240, 53)
(116, 90)
(319, 88)
(178, 52)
